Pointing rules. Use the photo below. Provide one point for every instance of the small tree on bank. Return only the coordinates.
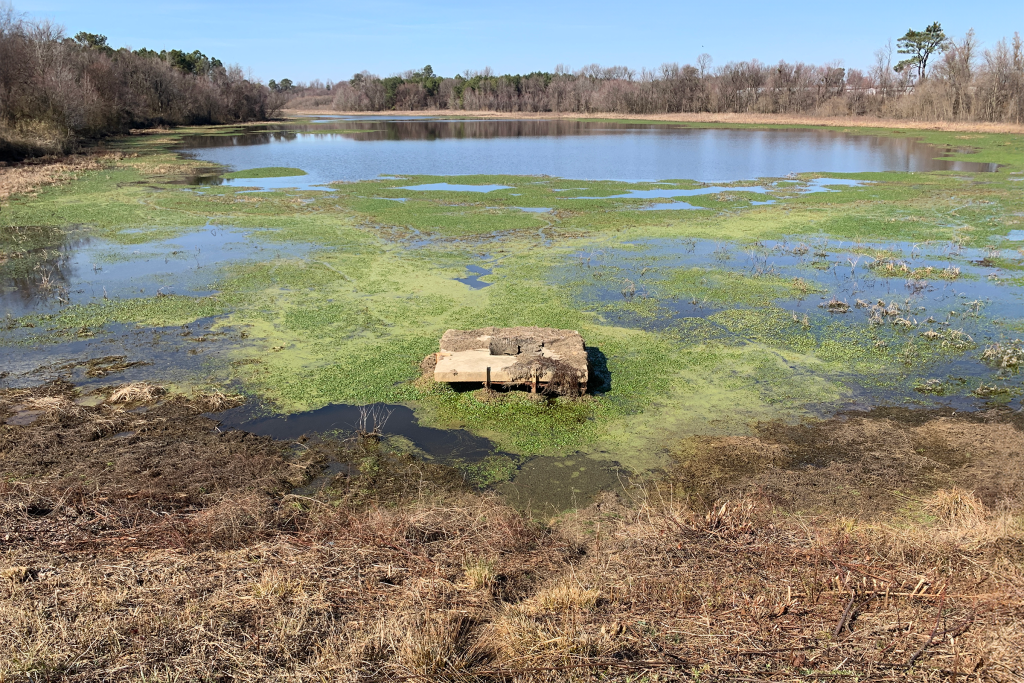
(921, 45)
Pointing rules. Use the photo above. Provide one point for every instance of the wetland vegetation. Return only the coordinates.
(778, 297)
(814, 374)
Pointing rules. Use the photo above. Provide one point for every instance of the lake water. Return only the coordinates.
(350, 149)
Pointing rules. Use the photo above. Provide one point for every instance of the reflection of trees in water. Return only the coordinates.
(900, 153)
(37, 274)
(910, 153)
(241, 140)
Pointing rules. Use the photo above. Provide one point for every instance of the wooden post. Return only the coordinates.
(488, 382)
(533, 389)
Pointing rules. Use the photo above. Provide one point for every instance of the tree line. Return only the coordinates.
(56, 90)
(940, 79)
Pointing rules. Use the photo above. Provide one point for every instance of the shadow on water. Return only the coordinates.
(600, 375)
(445, 445)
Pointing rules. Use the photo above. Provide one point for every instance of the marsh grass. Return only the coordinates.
(266, 172)
(349, 322)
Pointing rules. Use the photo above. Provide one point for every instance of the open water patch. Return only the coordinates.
(669, 194)
(443, 445)
(673, 206)
(566, 149)
(474, 279)
(194, 354)
(271, 184)
(82, 270)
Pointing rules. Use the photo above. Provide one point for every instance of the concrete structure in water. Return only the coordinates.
(554, 361)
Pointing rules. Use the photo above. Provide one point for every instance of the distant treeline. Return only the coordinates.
(961, 82)
(56, 90)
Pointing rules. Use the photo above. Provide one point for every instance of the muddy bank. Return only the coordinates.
(132, 459)
(137, 533)
(166, 453)
(862, 463)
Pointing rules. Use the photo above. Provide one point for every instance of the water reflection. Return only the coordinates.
(443, 444)
(364, 148)
(934, 293)
(80, 270)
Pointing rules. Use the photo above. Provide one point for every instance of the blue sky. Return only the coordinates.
(303, 40)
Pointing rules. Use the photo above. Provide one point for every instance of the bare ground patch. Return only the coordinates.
(863, 464)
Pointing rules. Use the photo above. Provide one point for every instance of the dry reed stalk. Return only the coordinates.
(136, 392)
(28, 177)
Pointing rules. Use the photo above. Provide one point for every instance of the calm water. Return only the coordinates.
(977, 303)
(566, 149)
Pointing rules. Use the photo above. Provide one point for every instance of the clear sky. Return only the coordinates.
(304, 40)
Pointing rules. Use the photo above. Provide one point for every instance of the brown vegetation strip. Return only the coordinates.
(29, 177)
(741, 118)
(172, 553)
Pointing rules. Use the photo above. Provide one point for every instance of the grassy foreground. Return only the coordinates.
(208, 571)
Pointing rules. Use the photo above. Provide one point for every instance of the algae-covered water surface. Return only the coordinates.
(312, 266)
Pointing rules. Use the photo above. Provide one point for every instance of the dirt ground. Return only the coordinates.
(865, 464)
(139, 542)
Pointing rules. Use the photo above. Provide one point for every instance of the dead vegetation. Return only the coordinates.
(866, 464)
(565, 379)
(176, 553)
(26, 178)
(734, 118)
(136, 392)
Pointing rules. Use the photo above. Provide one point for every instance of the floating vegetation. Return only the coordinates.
(721, 317)
(1008, 354)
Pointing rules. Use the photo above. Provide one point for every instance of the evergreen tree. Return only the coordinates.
(921, 45)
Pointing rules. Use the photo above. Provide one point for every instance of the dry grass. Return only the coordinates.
(28, 177)
(756, 119)
(136, 392)
(653, 590)
(215, 401)
(174, 554)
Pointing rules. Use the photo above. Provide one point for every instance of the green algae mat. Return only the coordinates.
(707, 308)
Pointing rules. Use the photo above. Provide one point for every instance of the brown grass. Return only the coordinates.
(28, 177)
(136, 392)
(755, 119)
(148, 545)
(384, 593)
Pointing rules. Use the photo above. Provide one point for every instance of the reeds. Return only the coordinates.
(136, 392)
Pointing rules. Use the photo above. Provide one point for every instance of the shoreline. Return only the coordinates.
(728, 118)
